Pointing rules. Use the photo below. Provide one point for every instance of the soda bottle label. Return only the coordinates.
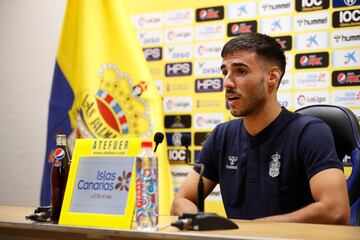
(146, 197)
(59, 154)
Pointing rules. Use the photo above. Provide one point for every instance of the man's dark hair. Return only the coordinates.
(264, 46)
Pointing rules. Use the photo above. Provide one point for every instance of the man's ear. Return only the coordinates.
(274, 77)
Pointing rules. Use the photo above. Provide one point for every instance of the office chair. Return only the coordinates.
(346, 131)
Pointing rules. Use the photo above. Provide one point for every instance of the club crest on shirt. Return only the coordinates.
(274, 165)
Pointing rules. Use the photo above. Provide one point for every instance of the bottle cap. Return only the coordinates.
(146, 144)
(60, 139)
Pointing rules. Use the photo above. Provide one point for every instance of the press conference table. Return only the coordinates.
(14, 226)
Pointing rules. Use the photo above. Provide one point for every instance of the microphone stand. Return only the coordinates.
(202, 221)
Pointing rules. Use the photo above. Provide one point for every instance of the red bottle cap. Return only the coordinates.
(146, 144)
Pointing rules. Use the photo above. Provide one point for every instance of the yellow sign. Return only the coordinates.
(100, 189)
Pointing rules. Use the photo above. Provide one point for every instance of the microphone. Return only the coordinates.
(186, 141)
(200, 220)
(158, 138)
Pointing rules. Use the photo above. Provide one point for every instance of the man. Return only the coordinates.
(271, 164)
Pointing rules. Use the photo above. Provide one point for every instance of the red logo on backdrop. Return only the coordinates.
(209, 14)
(346, 78)
(234, 29)
(312, 60)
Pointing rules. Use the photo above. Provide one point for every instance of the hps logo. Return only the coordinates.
(209, 85)
(178, 69)
(106, 181)
(153, 54)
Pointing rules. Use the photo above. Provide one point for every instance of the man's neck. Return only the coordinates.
(260, 119)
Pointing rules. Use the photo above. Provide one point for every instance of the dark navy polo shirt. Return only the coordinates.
(268, 174)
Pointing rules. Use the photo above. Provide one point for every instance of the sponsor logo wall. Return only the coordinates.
(183, 42)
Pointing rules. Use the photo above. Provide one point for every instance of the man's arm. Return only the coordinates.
(331, 204)
(186, 198)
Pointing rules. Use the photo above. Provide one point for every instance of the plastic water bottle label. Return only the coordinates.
(146, 198)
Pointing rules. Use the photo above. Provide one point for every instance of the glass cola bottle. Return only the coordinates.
(147, 188)
(59, 175)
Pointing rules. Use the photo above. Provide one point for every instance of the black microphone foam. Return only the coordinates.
(185, 140)
(158, 138)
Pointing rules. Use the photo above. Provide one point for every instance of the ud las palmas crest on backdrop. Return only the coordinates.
(102, 87)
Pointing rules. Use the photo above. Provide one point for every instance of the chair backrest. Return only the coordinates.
(346, 131)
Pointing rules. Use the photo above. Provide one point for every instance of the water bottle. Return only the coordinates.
(147, 188)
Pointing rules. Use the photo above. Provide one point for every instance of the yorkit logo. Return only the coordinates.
(311, 5)
(346, 18)
(207, 67)
(178, 52)
(210, 13)
(346, 78)
(177, 121)
(234, 29)
(285, 42)
(153, 54)
(174, 139)
(312, 60)
(345, 3)
(150, 37)
(178, 69)
(208, 85)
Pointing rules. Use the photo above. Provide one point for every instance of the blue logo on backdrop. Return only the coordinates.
(345, 3)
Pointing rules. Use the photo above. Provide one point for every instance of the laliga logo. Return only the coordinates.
(301, 99)
(201, 50)
(141, 21)
(171, 35)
